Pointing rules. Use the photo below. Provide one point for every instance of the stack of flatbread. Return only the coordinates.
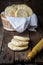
(19, 43)
(21, 10)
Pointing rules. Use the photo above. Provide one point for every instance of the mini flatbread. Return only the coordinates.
(15, 48)
(19, 43)
(20, 38)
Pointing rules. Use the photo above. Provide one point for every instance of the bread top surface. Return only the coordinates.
(16, 48)
(22, 9)
(21, 13)
(10, 11)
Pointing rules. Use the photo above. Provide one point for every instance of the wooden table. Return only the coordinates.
(9, 56)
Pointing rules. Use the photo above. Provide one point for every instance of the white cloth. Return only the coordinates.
(33, 22)
(20, 24)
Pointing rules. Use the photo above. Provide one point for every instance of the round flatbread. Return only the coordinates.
(26, 8)
(20, 38)
(10, 11)
(15, 48)
(19, 43)
(29, 11)
(21, 10)
(21, 13)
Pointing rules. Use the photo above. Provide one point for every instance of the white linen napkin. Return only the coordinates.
(20, 24)
(33, 23)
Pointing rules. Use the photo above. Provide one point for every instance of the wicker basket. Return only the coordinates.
(6, 23)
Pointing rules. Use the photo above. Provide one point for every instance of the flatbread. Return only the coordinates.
(21, 13)
(20, 38)
(20, 10)
(19, 43)
(26, 8)
(15, 48)
(10, 11)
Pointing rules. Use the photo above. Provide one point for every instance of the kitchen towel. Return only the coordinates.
(20, 24)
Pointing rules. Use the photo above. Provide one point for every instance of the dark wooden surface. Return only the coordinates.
(9, 56)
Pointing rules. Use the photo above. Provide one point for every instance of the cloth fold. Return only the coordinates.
(20, 24)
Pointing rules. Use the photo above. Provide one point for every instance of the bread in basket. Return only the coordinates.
(15, 11)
